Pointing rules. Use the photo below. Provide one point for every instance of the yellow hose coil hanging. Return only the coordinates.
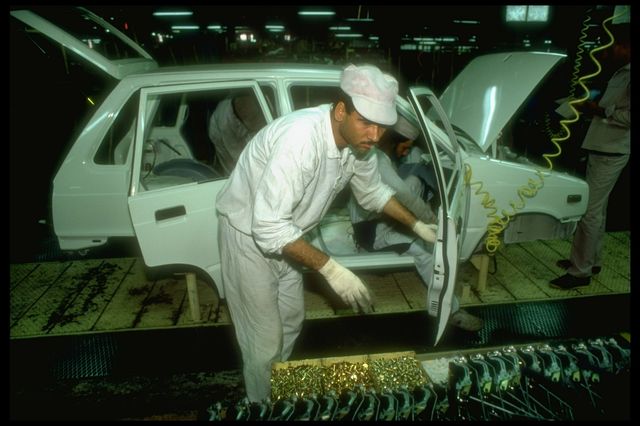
(499, 223)
(564, 123)
(577, 64)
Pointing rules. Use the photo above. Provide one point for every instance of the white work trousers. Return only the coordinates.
(586, 250)
(265, 297)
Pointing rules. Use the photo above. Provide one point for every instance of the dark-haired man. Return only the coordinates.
(283, 184)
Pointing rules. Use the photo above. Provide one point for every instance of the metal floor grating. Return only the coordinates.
(86, 356)
(535, 321)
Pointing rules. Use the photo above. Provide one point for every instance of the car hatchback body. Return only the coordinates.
(141, 167)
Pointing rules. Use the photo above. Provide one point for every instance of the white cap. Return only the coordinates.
(373, 93)
(406, 129)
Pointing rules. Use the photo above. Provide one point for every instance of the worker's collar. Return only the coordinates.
(332, 148)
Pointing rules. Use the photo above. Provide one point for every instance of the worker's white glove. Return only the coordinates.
(347, 285)
(428, 232)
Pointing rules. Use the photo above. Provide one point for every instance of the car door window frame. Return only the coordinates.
(181, 88)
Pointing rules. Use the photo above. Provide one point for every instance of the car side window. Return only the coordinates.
(305, 95)
(197, 135)
(445, 153)
(116, 145)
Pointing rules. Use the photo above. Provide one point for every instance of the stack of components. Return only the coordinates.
(379, 372)
(571, 380)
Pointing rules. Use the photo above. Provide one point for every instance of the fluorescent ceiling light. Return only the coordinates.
(340, 28)
(316, 13)
(274, 27)
(463, 21)
(176, 13)
(185, 27)
(360, 19)
(351, 35)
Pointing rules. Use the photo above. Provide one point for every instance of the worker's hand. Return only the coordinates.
(347, 285)
(428, 232)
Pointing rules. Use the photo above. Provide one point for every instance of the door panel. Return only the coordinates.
(173, 207)
(445, 158)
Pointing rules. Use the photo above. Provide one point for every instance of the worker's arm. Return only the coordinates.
(304, 253)
(394, 209)
(400, 213)
(344, 282)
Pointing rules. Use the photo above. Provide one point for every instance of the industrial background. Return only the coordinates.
(163, 367)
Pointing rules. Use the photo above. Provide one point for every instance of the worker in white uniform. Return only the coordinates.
(233, 123)
(375, 232)
(284, 182)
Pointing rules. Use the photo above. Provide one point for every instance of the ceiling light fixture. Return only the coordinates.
(176, 13)
(316, 13)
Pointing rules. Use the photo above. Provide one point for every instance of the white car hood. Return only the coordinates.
(133, 57)
(491, 88)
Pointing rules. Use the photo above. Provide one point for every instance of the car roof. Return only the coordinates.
(238, 71)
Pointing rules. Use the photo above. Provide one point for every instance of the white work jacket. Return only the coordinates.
(288, 176)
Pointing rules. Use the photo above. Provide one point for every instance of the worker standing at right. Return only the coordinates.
(608, 145)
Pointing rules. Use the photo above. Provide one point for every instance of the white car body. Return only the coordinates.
(107, 185)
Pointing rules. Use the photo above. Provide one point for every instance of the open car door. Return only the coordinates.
(172, 204)
(445, 157)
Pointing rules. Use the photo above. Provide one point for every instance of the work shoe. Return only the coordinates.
(568, 281)
(566, 264)
(464, 320)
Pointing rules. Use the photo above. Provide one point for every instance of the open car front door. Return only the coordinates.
(445, 157)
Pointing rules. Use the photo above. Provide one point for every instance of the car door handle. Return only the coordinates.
(170, 212)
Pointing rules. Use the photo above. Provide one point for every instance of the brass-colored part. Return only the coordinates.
(396, 373)
(300, 381)
(343, 376)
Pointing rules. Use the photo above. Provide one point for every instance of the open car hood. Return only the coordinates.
(90, 37)
(486, 94)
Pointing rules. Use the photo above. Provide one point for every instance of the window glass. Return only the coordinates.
(304, 96)
(204, 141)
(116, 145)
(443, 140)
(82, 26)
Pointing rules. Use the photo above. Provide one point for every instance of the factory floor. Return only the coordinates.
(176, 374)
(96, 339)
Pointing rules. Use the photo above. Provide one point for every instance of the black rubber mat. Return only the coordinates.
(525, 320)
(86, 356)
